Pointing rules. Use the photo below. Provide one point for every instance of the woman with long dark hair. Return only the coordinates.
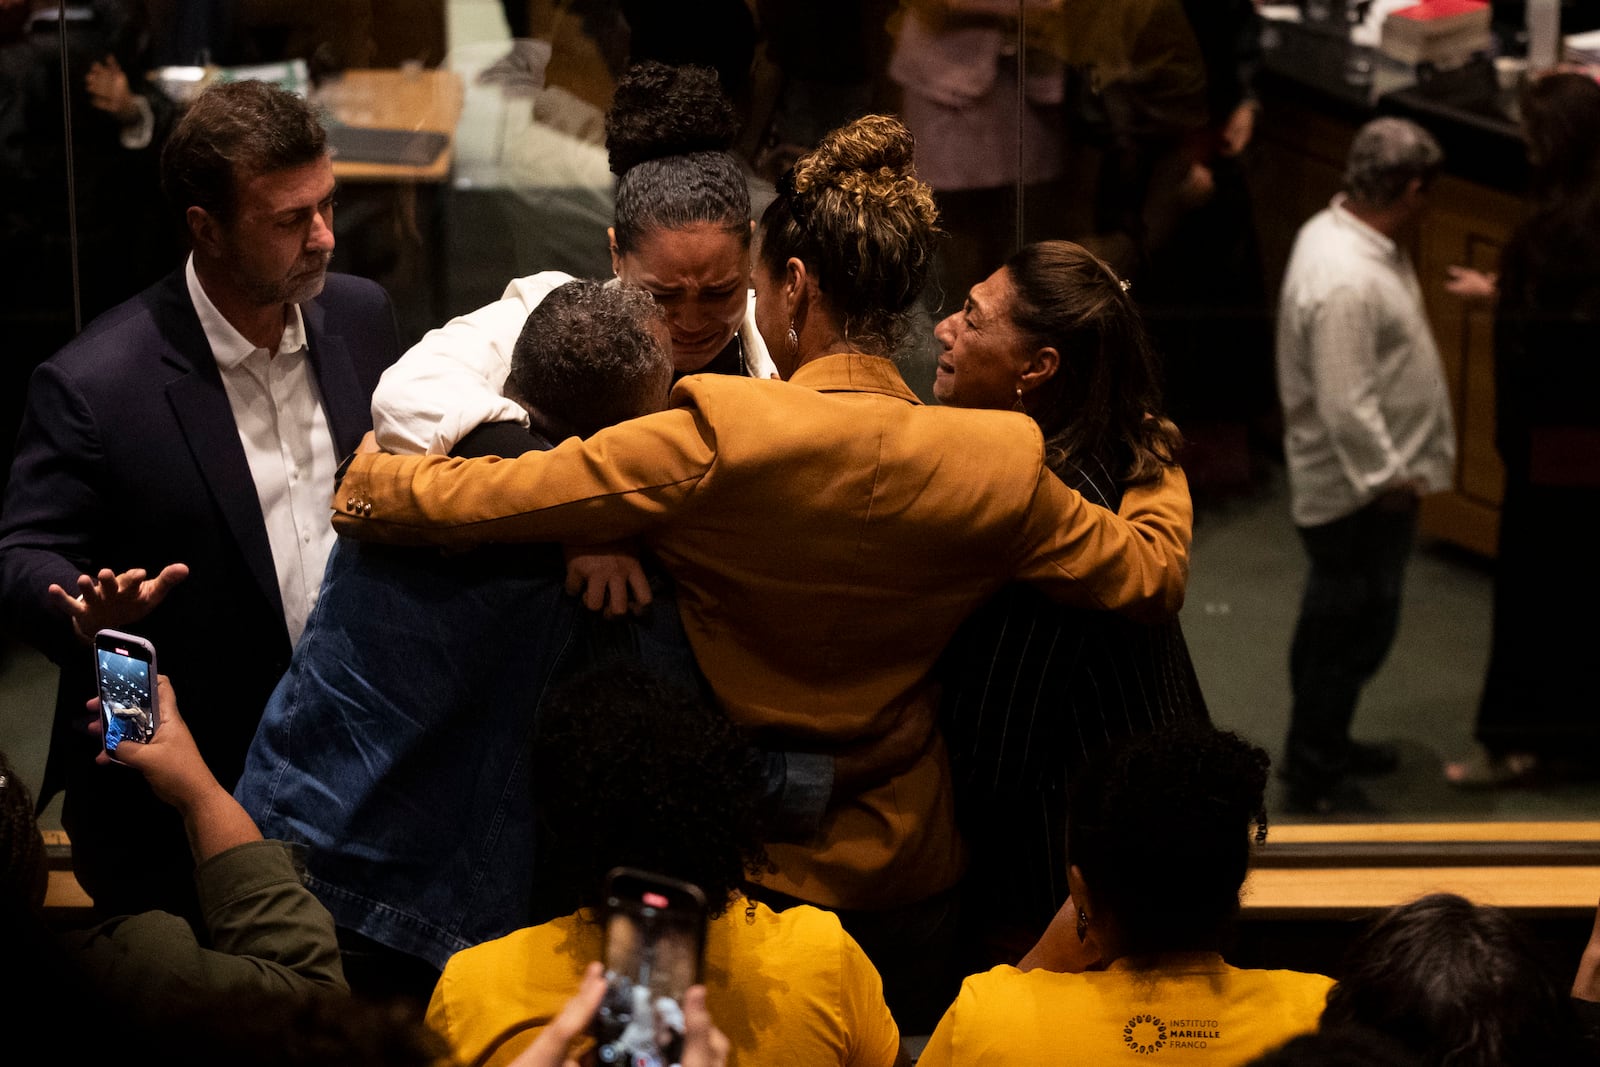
(1033, 689)
(1536, 718)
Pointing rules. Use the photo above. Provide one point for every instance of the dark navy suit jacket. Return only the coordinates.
(129, 457)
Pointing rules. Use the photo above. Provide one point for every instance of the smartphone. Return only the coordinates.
(125, 667)
(654, 931)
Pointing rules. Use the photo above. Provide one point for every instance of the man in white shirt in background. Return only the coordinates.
(1367, 431)
(174, 467)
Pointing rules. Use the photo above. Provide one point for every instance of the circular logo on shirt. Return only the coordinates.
(1145, 1034)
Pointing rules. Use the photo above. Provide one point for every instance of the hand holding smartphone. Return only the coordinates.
(654, 931)
(125, 668)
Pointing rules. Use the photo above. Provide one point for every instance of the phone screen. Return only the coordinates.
(127, 704)
(654, 929)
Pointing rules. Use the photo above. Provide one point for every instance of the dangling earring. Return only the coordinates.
(792, 339)
(1018, 405)
(1083, 925)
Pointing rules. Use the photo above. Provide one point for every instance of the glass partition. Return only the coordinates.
(1158, 133)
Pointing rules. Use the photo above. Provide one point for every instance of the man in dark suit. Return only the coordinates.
(174, 467)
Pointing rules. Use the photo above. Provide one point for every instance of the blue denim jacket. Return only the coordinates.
(395, 749)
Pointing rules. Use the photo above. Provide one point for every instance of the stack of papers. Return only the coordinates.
(1583, 48)
(1444, 33)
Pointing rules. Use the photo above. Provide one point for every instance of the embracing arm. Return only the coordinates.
(615, 485)
(450, 381)
(1135, 561)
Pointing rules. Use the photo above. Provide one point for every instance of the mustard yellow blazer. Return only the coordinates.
(827, 535)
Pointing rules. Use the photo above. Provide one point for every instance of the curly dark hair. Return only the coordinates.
(24, 870)
(590, 356)
(667, 137)
(1458, 984)
(629, 771)
(1104, 403)
(1160, 831)
(854, 212)
(659, 110)
(232, 130)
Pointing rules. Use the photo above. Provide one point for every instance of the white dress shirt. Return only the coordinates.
(1365, 406)
(284, 429)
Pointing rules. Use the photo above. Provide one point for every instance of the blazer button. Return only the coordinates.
(366, 510)
(350, 504)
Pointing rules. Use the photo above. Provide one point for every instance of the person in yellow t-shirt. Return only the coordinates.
(1130, 970)
(629, 772)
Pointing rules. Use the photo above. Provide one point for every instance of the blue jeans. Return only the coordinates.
(1348, 617)
(395, 749)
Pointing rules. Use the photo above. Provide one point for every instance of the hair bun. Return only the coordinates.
(659, 110)
(873, 145)
(872, 158)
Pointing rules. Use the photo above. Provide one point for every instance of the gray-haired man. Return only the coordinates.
(1367, 431)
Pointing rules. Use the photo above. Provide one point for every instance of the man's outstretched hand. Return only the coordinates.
(111, 600)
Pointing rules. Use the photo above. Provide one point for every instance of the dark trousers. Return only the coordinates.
(1348, 617)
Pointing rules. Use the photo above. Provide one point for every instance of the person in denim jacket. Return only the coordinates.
(395, 748)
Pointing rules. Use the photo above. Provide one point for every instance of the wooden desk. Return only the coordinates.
(395, 99)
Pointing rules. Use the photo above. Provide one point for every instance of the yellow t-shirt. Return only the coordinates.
(786, 987)
(1197, 1011)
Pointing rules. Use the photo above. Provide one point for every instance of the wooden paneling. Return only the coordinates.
(1466, 224)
